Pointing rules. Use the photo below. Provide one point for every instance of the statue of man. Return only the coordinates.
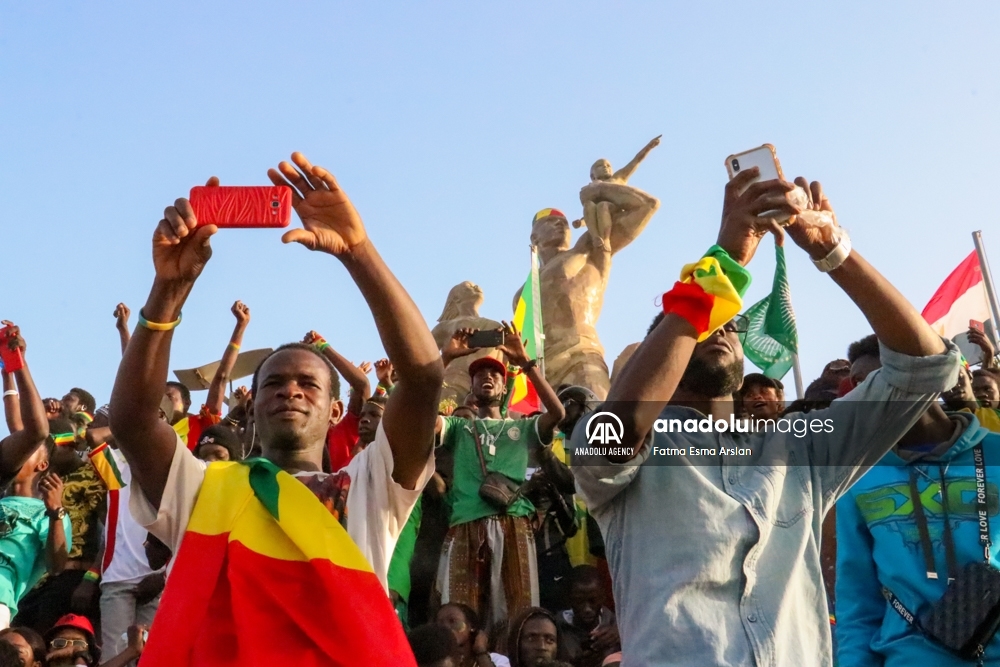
(573, 280)
(599, 204)
(461, 311)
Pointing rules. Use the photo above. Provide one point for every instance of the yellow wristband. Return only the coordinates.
(158, 326)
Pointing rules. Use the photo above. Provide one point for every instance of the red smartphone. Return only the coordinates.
(976, 324)
(242, 206)
(12, 359)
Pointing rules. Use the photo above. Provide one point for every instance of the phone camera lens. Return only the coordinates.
(736, 164)
(276, 203)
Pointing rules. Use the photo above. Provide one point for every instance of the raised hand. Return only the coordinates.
(383, 372)
(365, 367)
(53, 408)
(16, 341)
(458, 345)
(122, 314)
(311, 338)
(180, 247)
(815, 229)
(242, 395)
(329, 221)
(241, 312)
(513, 346)
(742, 229)
(979, 337)
(51, 488)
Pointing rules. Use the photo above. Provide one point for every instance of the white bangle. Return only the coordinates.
(10, 392)
(837, 256)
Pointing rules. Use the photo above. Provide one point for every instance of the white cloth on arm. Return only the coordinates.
(377, 506)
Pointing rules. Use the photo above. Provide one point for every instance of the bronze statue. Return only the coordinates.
(461, 311)
(600, 203)
(573, 279)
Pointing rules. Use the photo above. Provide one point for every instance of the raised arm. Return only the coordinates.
(626, 172)
(217, 388)
(332, 225)
(649, 380)
(895, 321)
(122, 314)
(356, 378)
(979, 337)
(11, 404)
(180, 251)
(31, 420)
(56, 547)
(513, 347)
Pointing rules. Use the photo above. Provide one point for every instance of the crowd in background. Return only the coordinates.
(492, 543)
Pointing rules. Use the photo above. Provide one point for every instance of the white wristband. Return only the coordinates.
(10, 392)
(837, 256)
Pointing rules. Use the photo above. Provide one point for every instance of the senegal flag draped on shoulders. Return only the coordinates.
(265, 575)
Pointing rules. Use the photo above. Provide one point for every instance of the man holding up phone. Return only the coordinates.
(491, 456)
(715, 559)
(274, 542)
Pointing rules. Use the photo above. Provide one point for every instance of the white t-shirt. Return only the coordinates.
(377, 507)
(124, 556)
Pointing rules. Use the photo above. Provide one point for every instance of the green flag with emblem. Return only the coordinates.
(771, 340)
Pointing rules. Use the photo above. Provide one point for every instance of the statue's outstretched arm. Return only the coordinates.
(625, 173)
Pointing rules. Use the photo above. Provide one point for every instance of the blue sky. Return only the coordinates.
(450, 124)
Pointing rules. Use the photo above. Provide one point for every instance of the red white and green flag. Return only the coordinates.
(960, 298)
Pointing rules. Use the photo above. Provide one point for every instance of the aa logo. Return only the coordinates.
(603, 432)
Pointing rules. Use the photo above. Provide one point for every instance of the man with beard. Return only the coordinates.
(488, 561)
(715, 557)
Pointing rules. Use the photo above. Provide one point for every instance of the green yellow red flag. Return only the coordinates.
(265, 575)
(528, 322)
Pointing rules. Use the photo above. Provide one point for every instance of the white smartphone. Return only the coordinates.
(764, 158)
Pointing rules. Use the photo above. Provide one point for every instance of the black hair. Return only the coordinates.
(656, 321)
(10, 656)
(184, 392)
(517, 627)
(31, 637)
(334, 377)
(89, 404)
(471, 617)
(988, 373)
(866, 347)
(219, 434)
(585, 575)
(431, 643)
(751, 380)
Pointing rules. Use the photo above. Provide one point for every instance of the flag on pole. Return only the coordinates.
(772, 340)
(528, 322)
(961, 297)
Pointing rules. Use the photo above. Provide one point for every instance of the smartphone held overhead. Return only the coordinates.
(486, 338)
(765, 158)
(242, 206)
(11, 358)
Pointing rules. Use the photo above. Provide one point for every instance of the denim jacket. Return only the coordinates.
(716, 558)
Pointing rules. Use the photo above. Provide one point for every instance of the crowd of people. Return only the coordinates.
(287, 525)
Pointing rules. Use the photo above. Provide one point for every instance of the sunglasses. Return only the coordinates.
(739, 324)
(59, 642)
